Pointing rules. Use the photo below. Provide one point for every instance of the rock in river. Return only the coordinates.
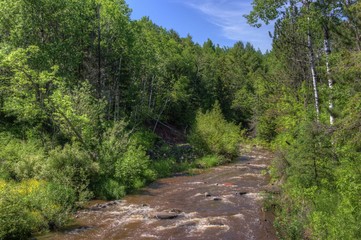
(165, 215)
(207, 194)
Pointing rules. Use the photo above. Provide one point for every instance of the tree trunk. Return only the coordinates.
(151, 93)
(327, 50)
(116, 89)
(160, 114)
(312, 65)
(314, 74)
(99, 83)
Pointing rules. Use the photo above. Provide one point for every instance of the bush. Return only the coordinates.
(71, 167)
(123, 162)
(164, 167)
(124, 165)
(208, 161)
(133, 168)
(266, 127)
(20, 159)
(313, 203)
(109, 188)
(114, 144)
(211, 133)
(144, 138)
(32, 206)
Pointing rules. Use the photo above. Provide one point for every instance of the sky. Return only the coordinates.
(221, 21)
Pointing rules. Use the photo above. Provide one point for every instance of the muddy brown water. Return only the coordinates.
(221, 203)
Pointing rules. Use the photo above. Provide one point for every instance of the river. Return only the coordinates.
(220, 203)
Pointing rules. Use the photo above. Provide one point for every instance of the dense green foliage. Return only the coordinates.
(93, 104)
(209, 161)
(211, 133)
(31, 206)
(84, 96)
(318, 163)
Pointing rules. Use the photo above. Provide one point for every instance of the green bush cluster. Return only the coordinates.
(164, 167)
(20, 159)
(31, 206)
(168, 166)
(211, 133)
(72, 167)
(133, 168)
(209, 161)
(109, 188)
(39, 187)
(321, 178)
(123, 162)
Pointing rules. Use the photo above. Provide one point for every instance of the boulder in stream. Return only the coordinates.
(175, 210)
(100, 206)
(165, 215)
(217, 199)
(242, 193)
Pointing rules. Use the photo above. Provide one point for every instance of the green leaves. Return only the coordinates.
(265, 10)
(211, 133)
(77, 113)
(132, 169)
(26, 89)
(31, 206)
(72, 167)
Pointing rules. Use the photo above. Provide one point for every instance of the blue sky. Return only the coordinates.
(221, 21)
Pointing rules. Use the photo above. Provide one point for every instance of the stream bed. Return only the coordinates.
(221, 203)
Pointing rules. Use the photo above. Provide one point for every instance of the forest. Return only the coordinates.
(94, 105)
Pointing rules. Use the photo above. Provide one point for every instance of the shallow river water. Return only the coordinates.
(222, 203)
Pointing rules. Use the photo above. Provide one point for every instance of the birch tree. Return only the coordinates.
(266, 11)
(306, 3)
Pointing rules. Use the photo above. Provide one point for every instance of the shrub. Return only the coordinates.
(211, 133)
(32, 206)
(123, 162)
(114, 145)
(266, 127)
(124, 165)
(20, 159)
(73, 168)
(208, 161)
(144, 138)
(164, 167)
(310, 204)
(133, 168)
(109, 188)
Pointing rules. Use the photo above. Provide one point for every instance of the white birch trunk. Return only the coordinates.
(329, 76)
(327, 49)
(306, 3)
(314, 74)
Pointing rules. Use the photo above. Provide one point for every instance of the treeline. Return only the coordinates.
(84, 90)
(313, 115)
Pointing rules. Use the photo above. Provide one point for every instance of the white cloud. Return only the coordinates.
(228, 15)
